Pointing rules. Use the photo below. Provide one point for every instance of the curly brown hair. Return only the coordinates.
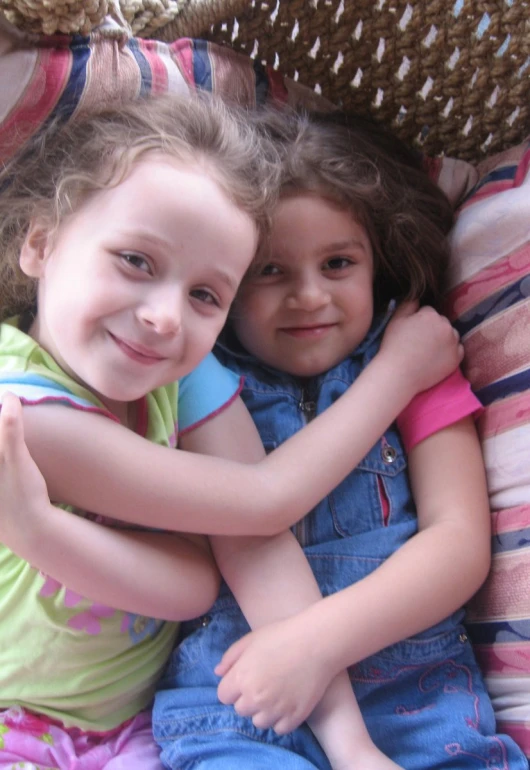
(61, 166)
(366, 170)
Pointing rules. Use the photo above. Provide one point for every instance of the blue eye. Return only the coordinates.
(203, 295)
(136, 261)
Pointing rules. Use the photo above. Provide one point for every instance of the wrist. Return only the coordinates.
(25, 537)
(400, 381)
(323, 645)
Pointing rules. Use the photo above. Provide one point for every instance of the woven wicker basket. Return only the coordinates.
(450, 75)
(453, 76)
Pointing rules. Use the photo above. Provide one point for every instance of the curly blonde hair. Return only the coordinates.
(59, 168)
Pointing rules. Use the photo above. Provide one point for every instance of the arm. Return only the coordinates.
(116, 473)
(436, 571)
(412, 590)
(271, 580)
(132, 570)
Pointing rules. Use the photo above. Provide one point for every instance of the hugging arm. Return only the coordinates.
(430, 576)
(117, 473)
(271, 580)
(133, 570)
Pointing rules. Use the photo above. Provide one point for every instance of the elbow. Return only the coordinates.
(198, 594)
(482, 570)
(478, 569)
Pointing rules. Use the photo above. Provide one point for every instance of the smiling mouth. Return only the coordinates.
(316, 330)
(137, 352)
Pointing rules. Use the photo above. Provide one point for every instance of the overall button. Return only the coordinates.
(462, 638)
(205, 621)
(388, 454)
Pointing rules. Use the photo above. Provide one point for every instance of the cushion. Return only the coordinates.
(489, 302)
(73, 74)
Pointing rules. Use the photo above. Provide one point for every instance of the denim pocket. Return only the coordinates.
(369, 497)
(204, 642)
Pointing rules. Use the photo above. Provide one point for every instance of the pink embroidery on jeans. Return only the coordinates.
(461, 681)
(497, 759)
(404, 711)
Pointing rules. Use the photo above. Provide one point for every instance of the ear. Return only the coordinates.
(35, 249)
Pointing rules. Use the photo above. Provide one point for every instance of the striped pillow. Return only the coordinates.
(70, 75)
(489, 302)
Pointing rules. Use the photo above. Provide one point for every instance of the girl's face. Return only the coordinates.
(136, 285)
(312, 304)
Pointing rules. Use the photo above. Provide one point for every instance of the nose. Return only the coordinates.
(162, 311)
(308, 293)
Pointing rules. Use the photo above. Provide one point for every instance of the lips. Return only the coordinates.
(137, 352)
(308, 331)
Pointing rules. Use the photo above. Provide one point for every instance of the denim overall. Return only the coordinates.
(423, 699)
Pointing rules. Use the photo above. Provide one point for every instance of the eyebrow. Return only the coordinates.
(227, 279)
(338, 245)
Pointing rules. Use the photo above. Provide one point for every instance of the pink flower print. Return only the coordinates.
(89, 620)
(17, 718)
(52, 586)
(172, 440)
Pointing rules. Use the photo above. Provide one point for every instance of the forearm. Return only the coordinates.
(183, 492)
(422, 583)
(157, 574)
(270, 577)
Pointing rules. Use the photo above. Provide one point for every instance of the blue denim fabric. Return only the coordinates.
(423, 699)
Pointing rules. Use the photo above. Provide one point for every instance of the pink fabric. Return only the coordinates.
(39, 743)
(437, 408)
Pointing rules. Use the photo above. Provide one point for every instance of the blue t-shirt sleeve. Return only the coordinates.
(205, 392)
(34, 388)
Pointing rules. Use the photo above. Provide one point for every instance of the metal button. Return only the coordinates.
(205, 621)
(389, 454)
(462, 638)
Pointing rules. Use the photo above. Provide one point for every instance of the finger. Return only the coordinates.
(406, 308)
(228, 691)
(263, 720)
(461, 352)
(286, 725)
(246, 708)
(233, 654)
(11, 426)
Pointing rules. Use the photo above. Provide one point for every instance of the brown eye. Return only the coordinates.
(270, 270)
(337, 263)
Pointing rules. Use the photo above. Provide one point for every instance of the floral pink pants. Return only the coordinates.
(30, 742)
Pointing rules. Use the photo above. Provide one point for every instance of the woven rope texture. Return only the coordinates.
(449, 76)
(70, 17)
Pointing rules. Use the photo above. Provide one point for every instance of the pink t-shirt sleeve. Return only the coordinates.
(437, 408)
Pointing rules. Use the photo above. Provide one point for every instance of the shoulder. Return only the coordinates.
(30, 372)
(437, 408)
(206, 391)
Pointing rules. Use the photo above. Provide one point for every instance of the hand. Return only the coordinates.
(274, 675)
(22, 487)
(424, 346)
